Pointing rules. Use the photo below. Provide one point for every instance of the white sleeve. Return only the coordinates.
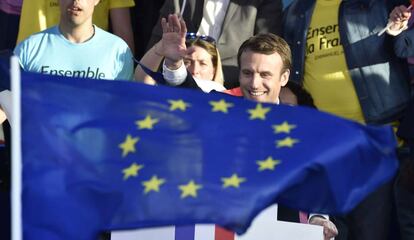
(397, 32)
(209, 85)
(174, 77)
(316, 214)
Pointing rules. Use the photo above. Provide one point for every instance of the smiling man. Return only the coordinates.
(264, 61)
(76, 47)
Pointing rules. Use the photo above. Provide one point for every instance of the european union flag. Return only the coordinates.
(118, 155)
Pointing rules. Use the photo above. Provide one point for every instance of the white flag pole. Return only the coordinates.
(183, 8)
(178, 9)
(16, 166)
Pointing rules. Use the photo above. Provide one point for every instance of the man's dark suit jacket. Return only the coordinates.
(244, 18)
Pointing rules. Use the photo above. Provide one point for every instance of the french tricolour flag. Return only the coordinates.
(192, 232)
(264, 227)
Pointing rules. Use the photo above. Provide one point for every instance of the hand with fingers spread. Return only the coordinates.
(172, 44)
(399, 17)
(329, 228)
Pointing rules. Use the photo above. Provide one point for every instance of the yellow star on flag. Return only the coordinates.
(153, 184)
(259, 112)
(189, 189)
(221, 106)
(287, 142)
(233, 181)
(178, 104)
(268, 164)
(147, 123)
(132, 171)
(285, 127)
(128, 145)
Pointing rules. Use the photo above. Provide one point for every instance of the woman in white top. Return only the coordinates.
(192, 53)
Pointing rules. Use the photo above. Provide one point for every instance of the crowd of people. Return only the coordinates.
(326, 54)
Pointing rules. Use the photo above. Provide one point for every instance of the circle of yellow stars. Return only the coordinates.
(191, 188)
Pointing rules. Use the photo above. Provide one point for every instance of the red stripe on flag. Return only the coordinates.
(223, 234)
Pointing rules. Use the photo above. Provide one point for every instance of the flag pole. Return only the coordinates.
(183, 8)
(178, 9)
(16, 166)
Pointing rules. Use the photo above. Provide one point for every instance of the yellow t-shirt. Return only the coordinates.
(326, 74)
(37, 15)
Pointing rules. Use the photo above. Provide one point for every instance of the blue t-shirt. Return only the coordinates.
(104, 56)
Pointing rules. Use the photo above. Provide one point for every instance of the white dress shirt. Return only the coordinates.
(213, 17)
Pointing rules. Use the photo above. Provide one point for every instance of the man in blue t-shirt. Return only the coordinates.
(76, 48)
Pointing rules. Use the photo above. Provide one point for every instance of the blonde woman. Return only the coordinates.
(198, 53)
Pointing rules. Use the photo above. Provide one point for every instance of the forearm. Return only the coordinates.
(404, 44)
(121, 26)
(152, 60)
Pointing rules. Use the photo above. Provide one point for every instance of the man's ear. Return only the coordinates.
(284, 78)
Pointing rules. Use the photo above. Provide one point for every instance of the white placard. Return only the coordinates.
(264, 227)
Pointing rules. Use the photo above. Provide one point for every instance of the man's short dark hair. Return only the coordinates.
(267, 43)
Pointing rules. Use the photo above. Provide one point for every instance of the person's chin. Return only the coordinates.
(257, 98)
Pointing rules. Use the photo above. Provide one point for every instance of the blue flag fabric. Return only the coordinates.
(157, 76)
(119, 155)
(5, 69)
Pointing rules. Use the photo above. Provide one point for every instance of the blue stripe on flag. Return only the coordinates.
(184, 232)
